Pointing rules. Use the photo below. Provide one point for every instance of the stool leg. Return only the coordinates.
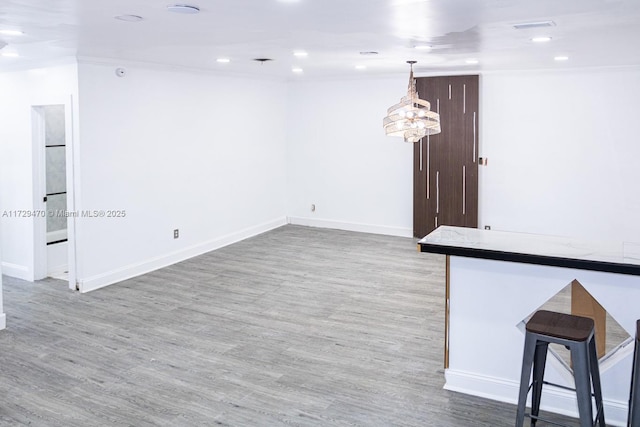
(580, 360)
(595, 379)
(539, 364)
(527, 363)
(634, 394)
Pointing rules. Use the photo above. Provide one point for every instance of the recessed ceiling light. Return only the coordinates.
(422, 47)
(183, 8)
(472, 61)
(10, 55)
(297, 70)
(11, 32)
(561, 58)
(537, 24)
(300, 54)
(129, 18)
(541, 39)
(223, 60)
(361, 67)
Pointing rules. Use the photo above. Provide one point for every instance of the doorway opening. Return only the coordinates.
(52, 180)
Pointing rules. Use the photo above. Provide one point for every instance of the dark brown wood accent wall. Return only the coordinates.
(445, 183)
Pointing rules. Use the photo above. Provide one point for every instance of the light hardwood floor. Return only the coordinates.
(297, 326)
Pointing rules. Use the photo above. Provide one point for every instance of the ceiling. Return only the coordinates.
(333, 34)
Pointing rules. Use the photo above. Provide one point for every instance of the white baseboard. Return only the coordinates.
(133, 270)
(18, 271)
(553, 400)
(352, 226)
(58, 235)
(3, 321)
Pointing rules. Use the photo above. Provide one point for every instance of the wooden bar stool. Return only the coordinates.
(577, 334)
(634, 395)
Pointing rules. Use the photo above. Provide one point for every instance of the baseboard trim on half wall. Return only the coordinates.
(557, 400)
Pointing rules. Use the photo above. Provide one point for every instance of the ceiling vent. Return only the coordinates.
(129, 18)
(183, 8)
(539, 24)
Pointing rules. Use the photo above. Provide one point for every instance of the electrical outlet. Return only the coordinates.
(176, 233)
(487, 227)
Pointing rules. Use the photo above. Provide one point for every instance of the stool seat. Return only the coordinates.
(560, 325)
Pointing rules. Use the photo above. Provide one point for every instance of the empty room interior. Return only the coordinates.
(314, 213)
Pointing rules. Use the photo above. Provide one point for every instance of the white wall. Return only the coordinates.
(563, 151)
(3, 316)
(222, 159)
(174, 149)
(339, 159)
(20, 91)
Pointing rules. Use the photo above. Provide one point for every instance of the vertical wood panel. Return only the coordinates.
(451, 151)
(583, 304)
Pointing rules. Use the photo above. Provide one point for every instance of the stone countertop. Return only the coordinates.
(613, 257)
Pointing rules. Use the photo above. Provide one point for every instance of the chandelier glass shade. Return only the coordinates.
(412, 117)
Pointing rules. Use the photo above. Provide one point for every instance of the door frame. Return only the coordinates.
(39, 190)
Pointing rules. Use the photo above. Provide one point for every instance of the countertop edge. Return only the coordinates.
(581, 264)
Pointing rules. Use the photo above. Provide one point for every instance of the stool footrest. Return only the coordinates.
(561, 386)
(537, 418)
(598, 407)
(564, 387)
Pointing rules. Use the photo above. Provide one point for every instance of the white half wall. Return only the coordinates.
(164, 149)
(562, 151)
(339, 159)
(20, 91)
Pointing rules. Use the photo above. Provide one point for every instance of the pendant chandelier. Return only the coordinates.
(412, 117)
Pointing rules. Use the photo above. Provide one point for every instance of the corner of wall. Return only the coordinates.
(351, 226)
